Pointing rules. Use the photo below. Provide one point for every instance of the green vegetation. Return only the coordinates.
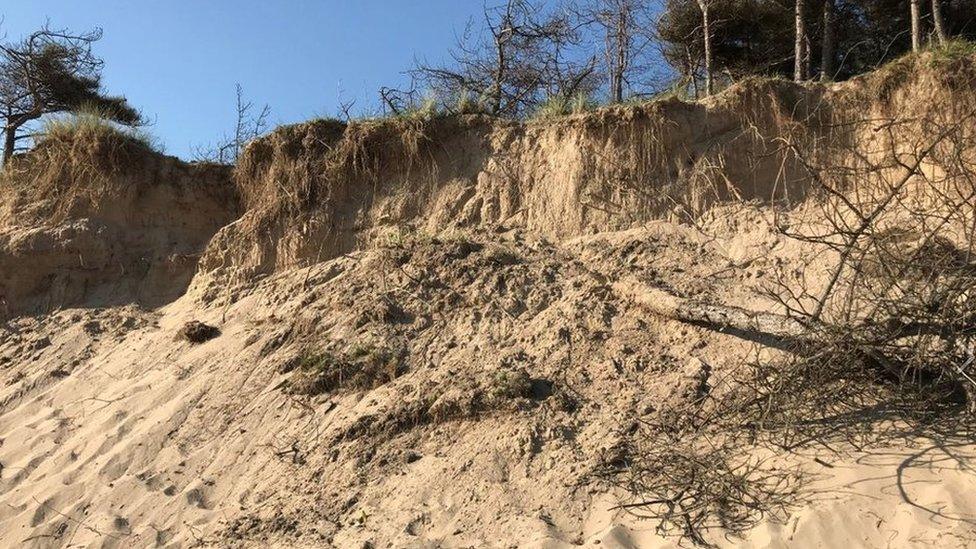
(466, 103)
(560, 105)
(949, 55)
(552, 60)
(509, 384)
(53, 71)
(425, 109)
(364, 365)
(89, 123)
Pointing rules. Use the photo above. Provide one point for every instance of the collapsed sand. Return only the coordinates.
(506, 373)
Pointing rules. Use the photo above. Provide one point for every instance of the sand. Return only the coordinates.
(116, 432)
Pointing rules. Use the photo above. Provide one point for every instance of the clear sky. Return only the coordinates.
(178, 60)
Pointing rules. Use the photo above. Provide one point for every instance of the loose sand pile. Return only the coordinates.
(490, 374)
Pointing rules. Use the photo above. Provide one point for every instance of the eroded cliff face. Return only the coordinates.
(317, 190)
(105, 222)
(130, 225)
(419, 343)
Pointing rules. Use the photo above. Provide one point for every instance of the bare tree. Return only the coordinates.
(565, 73)
(619, 23)
(249, 125)
(52, 71)
(899, 290)
(800, 46)
(504, 31)
(395, 101)
(618, 44)
(707, 40)
(345, 106)
(511, 62)
(916, 15)
(827, 42)
(937, 19)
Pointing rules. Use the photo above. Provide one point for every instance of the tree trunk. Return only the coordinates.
(799, 47)
(916, 26)
(940, 32)
(618, 88)
(9, 142)
(768, 328)
(827, 45)
(807, 58)
(496, 86)
(617, 53)
(690, 72)
(616, 81)
(615, 91)
(707, 31)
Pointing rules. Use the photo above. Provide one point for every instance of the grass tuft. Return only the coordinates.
(362, 366)
(559, 105)
(951, 53)
(467, 103)
(90, 124)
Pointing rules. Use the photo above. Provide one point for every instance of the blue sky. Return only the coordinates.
(178, 60)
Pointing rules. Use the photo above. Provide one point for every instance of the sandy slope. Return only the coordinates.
(420, 344)
(118, 433)
(916, 496)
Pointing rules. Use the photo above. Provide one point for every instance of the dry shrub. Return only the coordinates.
(719, 462)
(887, 349)
(695, 463)
(195, 331)
(897, 222)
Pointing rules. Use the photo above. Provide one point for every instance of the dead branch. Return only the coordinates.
(724, 318)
